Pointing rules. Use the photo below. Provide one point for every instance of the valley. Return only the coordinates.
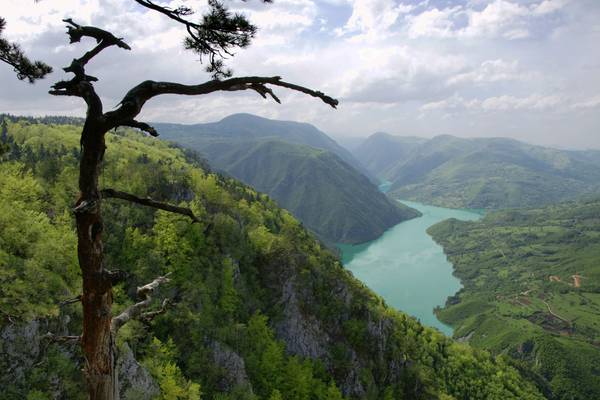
(305, 200)
(258, 308)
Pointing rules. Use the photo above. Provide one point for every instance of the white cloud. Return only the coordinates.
(374, 17)
(491, 71)
(549, 6)
(534, 102)
(593, 102)
(391, 74)
(499, 18)
(433, 23)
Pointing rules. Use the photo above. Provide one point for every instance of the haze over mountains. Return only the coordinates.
(302, 168)
(479, 173)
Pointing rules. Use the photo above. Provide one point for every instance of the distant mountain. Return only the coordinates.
(350, 143)
(479, 173)
(380, 152)
(314, 181)
(250, 127)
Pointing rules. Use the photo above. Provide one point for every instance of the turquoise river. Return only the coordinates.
(406, 267)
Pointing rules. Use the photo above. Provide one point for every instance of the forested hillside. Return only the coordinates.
(480, 173)
(300, 167)
(257, 308)
(531, 290)
(248, 127)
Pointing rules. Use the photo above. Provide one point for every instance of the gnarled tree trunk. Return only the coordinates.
(97, 339)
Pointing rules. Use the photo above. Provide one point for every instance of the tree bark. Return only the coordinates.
(97, 339)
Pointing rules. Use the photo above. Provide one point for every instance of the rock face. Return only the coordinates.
(19, 349)
(135, 381)
(233, 367)
(302, 334)
(308, 333)
(23, 347)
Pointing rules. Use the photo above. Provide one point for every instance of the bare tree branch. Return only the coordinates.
(81, 84)
(66, 302)
(150, 315)
(135, 311)
(61, 339)
(115, 194)
(134, 100)
(141, 126)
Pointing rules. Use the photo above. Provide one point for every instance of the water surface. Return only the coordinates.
(406, 267)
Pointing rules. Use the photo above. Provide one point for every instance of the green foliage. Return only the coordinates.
(531, 289)
(245, 272)
(12, 54)
(37, 252)
(173, 385)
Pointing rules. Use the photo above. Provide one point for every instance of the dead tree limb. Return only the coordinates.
(141, 126)
(135, 311)
(148, 202)
(148, 316)
(72, 300)
(51, 337)
(134, 100)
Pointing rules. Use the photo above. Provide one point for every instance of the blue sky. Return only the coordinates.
(474, 68)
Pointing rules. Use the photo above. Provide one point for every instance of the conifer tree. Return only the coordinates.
(12, 54)
(214, 36)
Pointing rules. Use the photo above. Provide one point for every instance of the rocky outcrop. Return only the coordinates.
(302, 334)
(19, 349)
(233, 367)
(24, 346)
(135, 382)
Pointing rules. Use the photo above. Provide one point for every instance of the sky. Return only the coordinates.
(527, 69)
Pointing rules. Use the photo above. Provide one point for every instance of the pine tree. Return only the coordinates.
(12, 54)
(217, 34)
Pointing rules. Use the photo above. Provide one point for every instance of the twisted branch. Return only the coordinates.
(148, 202)
(81, 84)
(135, 311)
(141, 126)
(134, 100)
(150, 315)
(61, 339)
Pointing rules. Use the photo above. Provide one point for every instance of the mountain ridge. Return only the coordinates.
(481, 172)
(301, 168)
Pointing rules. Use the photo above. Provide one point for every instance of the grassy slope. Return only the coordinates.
(488, 173)
(231, 276)
(516, 267)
